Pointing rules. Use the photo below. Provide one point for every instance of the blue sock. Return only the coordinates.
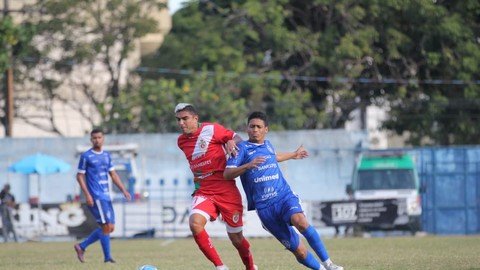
(105, 241)
(310, 261)
(92, 238)
(316, 243)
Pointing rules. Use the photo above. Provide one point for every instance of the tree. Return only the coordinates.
(440, 42)
(79, 59)
(13, 42)
(338, 55)
(222, 36)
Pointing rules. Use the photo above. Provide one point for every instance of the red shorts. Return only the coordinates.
(229, 205)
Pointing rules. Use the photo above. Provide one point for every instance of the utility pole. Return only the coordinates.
(9, 102)
(9, 111)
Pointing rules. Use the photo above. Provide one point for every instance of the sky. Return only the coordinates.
(174, 5)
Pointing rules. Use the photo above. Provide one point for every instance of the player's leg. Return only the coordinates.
(108, 225)
(94, 236)
(4, 221)
(91, 238)
(286, 235)
(243, 247)
(12, 229)
(300, 222)
(203, 210)
(231, 208)
(105, 242)
(305, 257)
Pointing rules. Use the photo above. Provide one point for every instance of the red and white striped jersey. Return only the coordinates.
(204, 150)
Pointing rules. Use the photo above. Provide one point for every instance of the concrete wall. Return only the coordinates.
(322, 176)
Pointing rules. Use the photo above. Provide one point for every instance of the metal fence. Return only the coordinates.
(451, 203)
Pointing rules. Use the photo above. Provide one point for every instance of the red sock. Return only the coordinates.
(206, 246)
(245, 254)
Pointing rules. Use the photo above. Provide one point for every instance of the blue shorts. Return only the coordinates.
(276, 220)
(102, 211)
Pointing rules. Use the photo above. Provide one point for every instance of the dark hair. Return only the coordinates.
(96, 130)
(190, 108)
(258, 115)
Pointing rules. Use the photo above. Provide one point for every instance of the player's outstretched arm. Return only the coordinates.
(300, 153)
(116, 180)
(233, 172)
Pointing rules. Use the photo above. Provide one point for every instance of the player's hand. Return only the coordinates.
(256, 161)
(231, 148)
(127, 195)
(300, 153)
(89, 200)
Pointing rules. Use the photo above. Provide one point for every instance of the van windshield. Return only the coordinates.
(386, 179)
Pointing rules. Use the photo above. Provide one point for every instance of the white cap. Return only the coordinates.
(181, 106)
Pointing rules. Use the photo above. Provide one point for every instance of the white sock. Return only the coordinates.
(327, 262)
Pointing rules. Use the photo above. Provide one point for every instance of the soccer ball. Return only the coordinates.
(147, 267)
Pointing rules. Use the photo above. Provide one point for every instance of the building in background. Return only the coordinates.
(71, 122)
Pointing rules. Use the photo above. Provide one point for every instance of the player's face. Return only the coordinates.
(97, 140)
(256, 130)
(187, 121)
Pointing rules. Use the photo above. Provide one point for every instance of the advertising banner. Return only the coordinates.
(384, 212)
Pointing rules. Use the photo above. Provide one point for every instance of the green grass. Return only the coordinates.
(353, 253)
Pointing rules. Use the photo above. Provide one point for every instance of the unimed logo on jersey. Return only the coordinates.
(266, 178)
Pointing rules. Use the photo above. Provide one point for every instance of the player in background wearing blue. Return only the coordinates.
(268, 192)
(93, 169)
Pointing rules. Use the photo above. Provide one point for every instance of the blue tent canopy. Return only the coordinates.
(39, 164)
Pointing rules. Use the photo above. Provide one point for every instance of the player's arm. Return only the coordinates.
(233, 172)
(300, 153)
(83, 187)
(231, 145)
(116, 180)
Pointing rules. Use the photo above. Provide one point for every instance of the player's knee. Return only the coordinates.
(196, 225)
(108, 228)
(236, 238)
(300, 253)
(300, 222)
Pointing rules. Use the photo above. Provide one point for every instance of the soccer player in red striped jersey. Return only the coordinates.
(206, 146)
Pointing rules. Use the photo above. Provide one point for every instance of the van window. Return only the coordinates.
(386, 179)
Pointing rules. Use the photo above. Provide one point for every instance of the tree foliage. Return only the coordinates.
(332, 57)
(14, 40)
(308, 63)
(79, 58)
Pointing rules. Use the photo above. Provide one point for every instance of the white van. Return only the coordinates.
(389, 176)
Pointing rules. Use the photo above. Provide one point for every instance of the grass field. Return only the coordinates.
(352, 253)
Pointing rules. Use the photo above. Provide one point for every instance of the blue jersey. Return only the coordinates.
(96, 166)
(264, 185)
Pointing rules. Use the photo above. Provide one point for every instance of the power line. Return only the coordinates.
(361, 80)
(187, 72)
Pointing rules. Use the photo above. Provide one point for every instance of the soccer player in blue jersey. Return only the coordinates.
(93, 169)
(268, 192)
